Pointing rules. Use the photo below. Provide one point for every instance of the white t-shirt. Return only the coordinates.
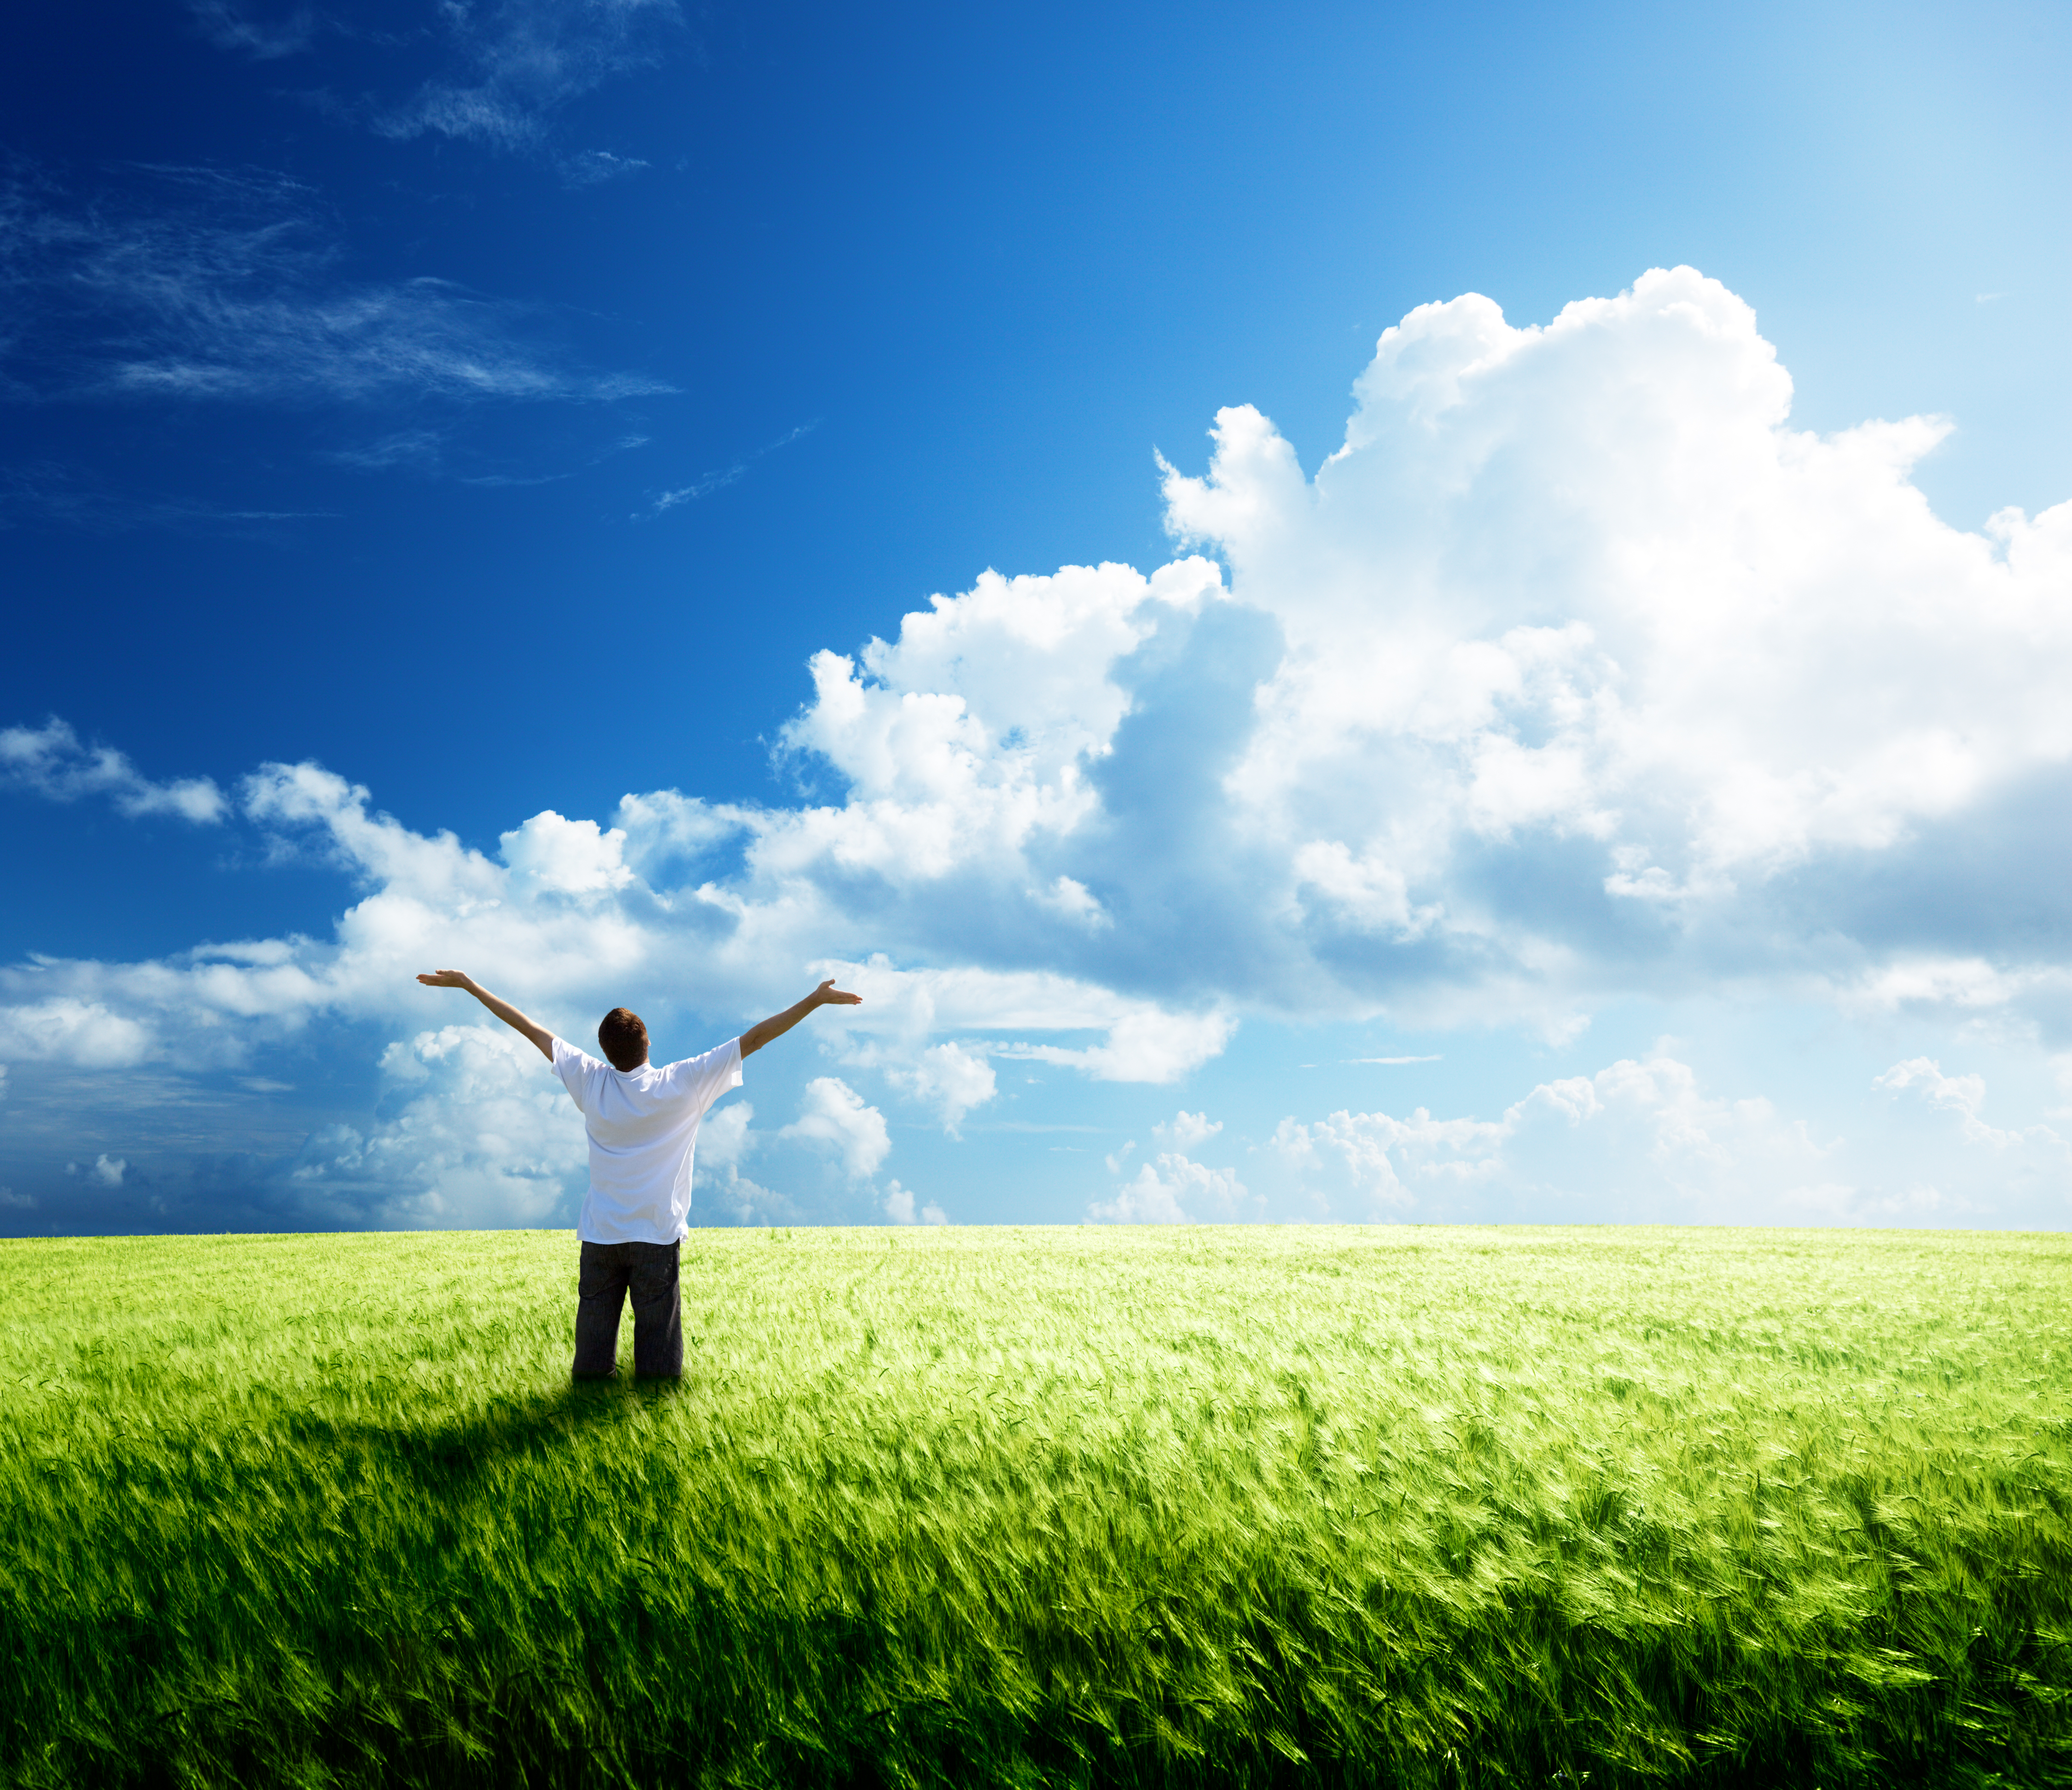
(644, 1126)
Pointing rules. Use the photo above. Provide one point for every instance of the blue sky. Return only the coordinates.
(657, 504)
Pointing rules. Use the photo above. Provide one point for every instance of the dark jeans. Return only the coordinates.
(649, 1271)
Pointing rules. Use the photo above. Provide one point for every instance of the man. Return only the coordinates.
(644, 1126)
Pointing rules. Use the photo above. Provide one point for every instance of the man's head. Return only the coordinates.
(624, 1039)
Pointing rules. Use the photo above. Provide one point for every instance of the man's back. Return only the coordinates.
(644, 1127)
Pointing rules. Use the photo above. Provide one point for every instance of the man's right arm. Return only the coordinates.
(760, 1033)
(503, 1009)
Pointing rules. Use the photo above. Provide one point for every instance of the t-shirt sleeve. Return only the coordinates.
(576, 1070)
(704, 1079)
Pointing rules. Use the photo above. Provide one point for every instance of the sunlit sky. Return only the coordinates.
(1336, 613)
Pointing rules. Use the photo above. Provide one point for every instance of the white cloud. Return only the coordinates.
(2060, 1072)
(1576, 673)
(1642, 1131)
(727, 1138)
(1370, 893)
(1912, 983)
(899, 1208)
(725, 1135)
(1961, 1095)
(85, 1034)
(1149, 1200)
(1187, 1130)
(707, 483)
(1581, 590)
(562, 919)
(833, 1115)
(594, 167)
(17, 1202)
(1145, 1044)
(1642, 1138)
(948, 1077)
(1076, 901)
(50, 761)
(105, 1171)
(567, 857)
(1156, 1197)
(481, 1134)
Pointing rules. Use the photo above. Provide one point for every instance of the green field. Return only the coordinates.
(1199, 1506)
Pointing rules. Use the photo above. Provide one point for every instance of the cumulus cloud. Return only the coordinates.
(722, 1188)
(1588, 651)
(1960, 1094)
(104, 1171)
(1643, 1138)
(833, 1115)
(564, 909)
(86, 1034)
(1187, 1130)
(481, 1134)
(1574, 673)
(949, 1079)
(1176, 1190)
(226, 285)
(1635, 1131)
(899, 1208)
(725, 1135)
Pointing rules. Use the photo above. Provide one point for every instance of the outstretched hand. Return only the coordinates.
(827, 995)
(540, 1036)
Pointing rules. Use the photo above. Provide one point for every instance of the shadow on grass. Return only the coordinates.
(447, 1456)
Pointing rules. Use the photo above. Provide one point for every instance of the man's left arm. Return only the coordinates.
(540, 1037)
(827, 995)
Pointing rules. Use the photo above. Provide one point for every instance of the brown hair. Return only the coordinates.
(624, 1039)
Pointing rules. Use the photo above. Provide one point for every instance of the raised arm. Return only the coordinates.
(827, 995)
(503, 1009)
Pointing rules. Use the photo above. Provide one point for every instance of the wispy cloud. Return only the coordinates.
(230, 288)
(436, 453)
(519, 62)
(230, 26)
(594, 167)
(711, 482)
(46, 491)
(51, 761)
(502, 73)
(421, 450)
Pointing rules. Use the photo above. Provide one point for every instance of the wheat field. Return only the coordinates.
(1088, 1506)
